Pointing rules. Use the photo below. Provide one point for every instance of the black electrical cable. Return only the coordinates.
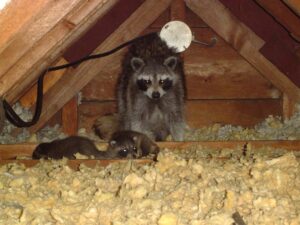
(12, 116)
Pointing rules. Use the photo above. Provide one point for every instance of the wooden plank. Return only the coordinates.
(132, 27)
(162, 19)
(207, 70)
(243, 40)
(17, 15)
(52, 45)
(246, 113)
(294, 5)
(44, 22)
(264, 25)
(70, 117)
(177, 10)
(289, 107)
(8, 153)
(89, 41)
(50, 79)
(283, 58)
(282, 14)
(199, 113)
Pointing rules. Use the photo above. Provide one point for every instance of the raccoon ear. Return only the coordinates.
(171, 62)
(112, 142)
(137, 63)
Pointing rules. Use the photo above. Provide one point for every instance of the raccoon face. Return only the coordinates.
(153, 79)
(126, 149)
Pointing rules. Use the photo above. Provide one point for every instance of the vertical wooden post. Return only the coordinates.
(178, 10)
(70, 117)
(288, 107)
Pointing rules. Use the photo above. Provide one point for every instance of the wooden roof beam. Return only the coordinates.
(294, 5)
(73, 82)
(25, 71)
(283, 15)
(241, 38)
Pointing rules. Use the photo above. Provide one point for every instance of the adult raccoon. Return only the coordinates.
(151, 90)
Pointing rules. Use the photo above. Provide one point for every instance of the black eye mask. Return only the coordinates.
(143, 84)
(123, 152)
(167, 84)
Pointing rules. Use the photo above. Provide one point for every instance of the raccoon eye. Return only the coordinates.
(123, 152)
(148, 81)
(167, 84)
(161, 81)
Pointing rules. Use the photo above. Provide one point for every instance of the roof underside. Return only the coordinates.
(264, 32)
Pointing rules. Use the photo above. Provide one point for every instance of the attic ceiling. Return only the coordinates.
(264, 32)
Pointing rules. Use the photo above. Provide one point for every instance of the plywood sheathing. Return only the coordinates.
(130, 28)
(55, 29)
(245, 41)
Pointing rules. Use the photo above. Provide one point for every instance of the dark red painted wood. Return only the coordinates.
(102, 29)
(285, 60)
(280, 48)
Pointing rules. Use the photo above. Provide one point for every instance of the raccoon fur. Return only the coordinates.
(106, 125)
(67, 147)
(123, 144)
(132, 143)
(151, 90)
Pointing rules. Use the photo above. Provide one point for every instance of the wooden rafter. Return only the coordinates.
(241, 38)
(70, 84)
(50, 46)
(294, 5)
(283, 15)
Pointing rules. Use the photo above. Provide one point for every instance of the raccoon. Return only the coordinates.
(67, 147)
(124, 144)
(106, 125)
(151, 90)
(132, 144)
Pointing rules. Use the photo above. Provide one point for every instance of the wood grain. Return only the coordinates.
(69, 117)
(50, 47)
(283, 15)
(9, 152)
(45, 21)
(200, 113)
(294, 5)
(59, 95)
(29, 98)
(16, 16)
(243, 40)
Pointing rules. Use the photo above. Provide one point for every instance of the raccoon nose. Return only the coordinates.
(155, 95)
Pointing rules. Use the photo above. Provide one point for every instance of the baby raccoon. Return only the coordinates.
(124, 144)
(132, 144)
(151, 90)
(67, 147)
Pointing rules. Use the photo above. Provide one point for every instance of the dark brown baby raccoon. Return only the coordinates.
(132, 144)
(67, 147)
(124, 144)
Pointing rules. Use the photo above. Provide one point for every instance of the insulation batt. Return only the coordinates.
(177, 190)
